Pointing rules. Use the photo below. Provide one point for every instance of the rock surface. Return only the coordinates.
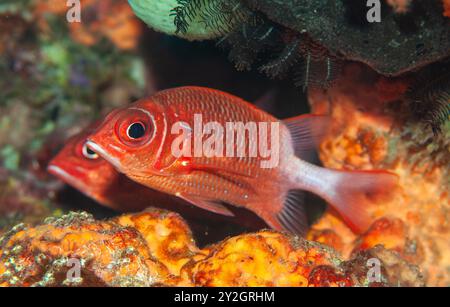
(400, 43)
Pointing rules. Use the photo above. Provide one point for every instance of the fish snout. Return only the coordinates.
(54, 169)
(64, 171)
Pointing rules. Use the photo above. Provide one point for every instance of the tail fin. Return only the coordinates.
(353, 191)
(349, 192)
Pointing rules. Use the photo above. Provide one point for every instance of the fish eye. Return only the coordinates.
(135, 127)
(89, 153)
(136, 130)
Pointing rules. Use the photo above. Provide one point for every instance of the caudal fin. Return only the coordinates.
(353, 191)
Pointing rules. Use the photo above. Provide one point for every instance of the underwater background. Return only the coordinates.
(386, 87)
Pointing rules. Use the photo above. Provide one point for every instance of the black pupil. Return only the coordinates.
(90, 152)
(136, 131)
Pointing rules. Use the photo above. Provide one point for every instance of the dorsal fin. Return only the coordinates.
(306, 133)
(267, 101)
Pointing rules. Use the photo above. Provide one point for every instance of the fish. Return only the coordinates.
(83, 169)
(143, 142)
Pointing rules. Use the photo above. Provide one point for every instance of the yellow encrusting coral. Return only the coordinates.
(105, 252)
(155, 248)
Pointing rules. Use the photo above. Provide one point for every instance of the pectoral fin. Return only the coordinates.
(207, 204)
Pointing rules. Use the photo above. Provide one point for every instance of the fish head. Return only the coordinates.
(77, 165)
(131, 138)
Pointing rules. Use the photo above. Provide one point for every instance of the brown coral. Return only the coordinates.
(370, 132)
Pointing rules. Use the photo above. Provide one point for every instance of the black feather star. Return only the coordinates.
(429, 96)
(221, 16)
(318, 68)
(248, 41)
(286, 59)
(249, 34)
(311, 64)
(315, 73)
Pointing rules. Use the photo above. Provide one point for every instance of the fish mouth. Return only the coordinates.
(104, 154)
(65, 176)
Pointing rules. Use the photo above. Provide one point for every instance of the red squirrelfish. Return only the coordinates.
(85, 170)
(213, 149)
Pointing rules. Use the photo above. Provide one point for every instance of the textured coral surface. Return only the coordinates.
(108, 254)
(155, 248)
(370, 132)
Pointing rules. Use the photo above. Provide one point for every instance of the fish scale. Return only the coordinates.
(198, 103)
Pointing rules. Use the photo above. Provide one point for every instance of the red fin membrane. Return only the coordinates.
(306, 132)
(355, 190)
(292, 216)
(267, 101)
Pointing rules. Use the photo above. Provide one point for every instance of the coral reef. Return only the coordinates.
(372, 130)
(155, 248)
(110, 19)
(107, 254)
(49, 82)
(340, 26)
(167, 236)
(49, 70)
(307, 40)
(52, 86)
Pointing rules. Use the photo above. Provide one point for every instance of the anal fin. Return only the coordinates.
(293, 216)
(289, 215)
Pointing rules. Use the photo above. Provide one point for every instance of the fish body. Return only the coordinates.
(143, 142)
